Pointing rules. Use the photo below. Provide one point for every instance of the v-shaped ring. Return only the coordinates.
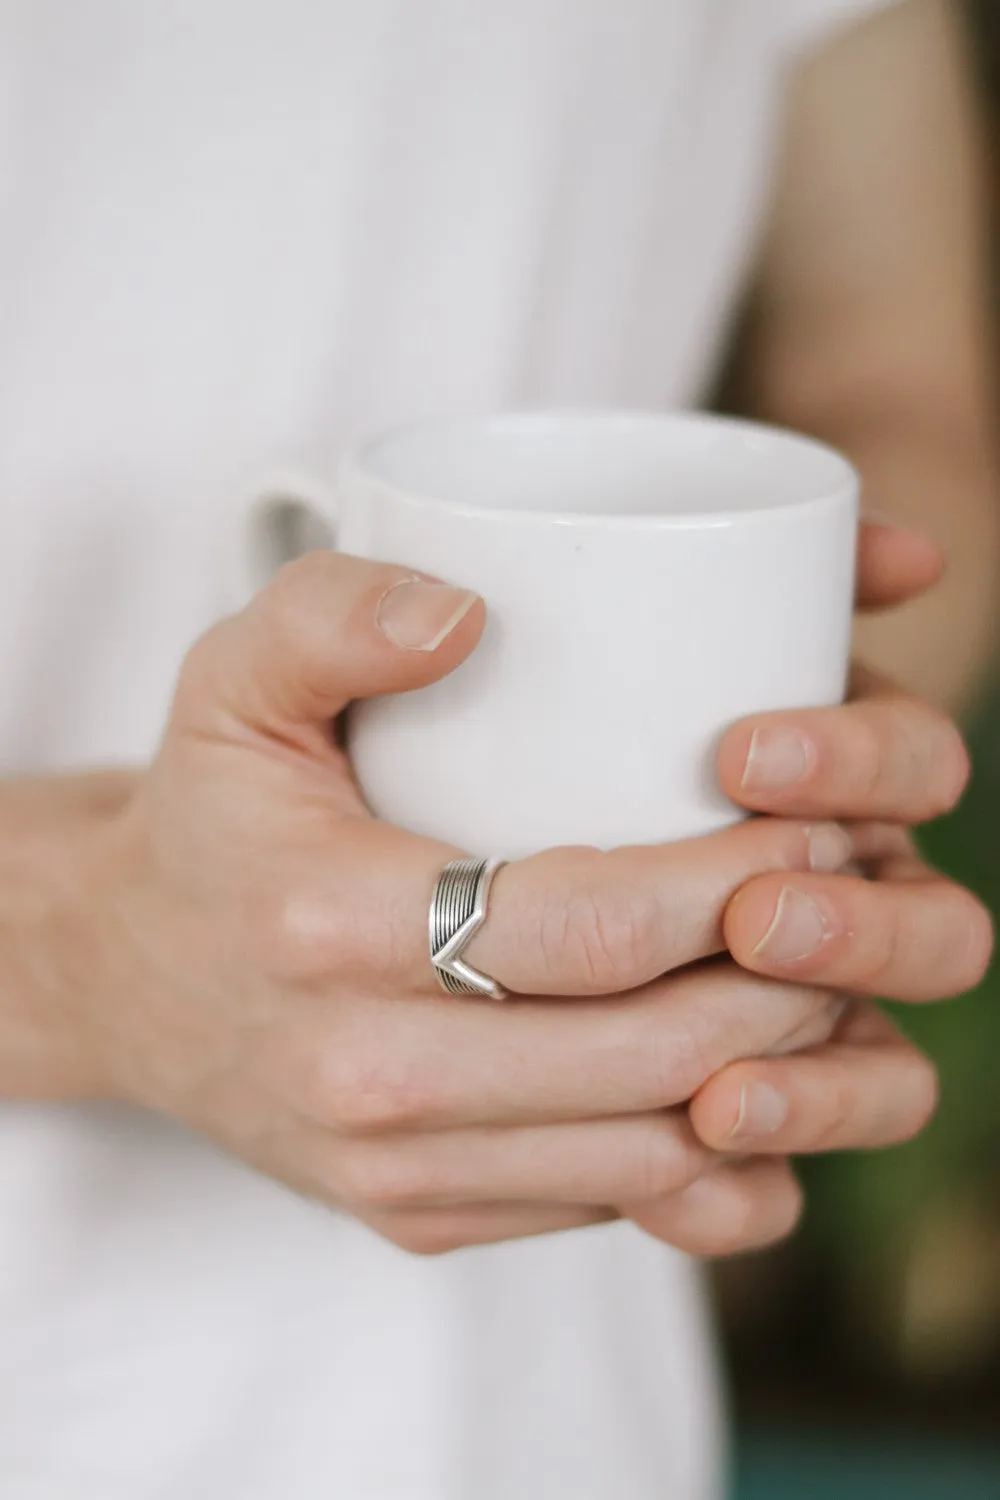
(454, 883)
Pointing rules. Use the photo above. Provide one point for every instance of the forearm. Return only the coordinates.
(50, 829)
(870, 324)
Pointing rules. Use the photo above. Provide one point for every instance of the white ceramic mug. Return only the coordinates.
(649, 579)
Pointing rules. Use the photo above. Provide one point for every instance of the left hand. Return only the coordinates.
(882, 762)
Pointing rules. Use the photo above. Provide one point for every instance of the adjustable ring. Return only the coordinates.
(459, 907)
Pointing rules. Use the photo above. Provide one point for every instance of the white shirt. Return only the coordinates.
(233, 235)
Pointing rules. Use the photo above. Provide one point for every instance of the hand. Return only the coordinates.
(253, 960)
(884, 761)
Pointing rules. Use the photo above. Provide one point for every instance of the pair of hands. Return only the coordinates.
(252, 948)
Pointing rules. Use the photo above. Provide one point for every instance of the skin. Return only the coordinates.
(870, 322)
(233, 940)
(870, 326)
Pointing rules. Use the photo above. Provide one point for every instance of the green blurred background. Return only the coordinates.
(866, 1354)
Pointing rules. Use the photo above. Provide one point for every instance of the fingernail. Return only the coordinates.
(830, 847)
(777, 758)
(798, 930)
(762, 1111)
(418, 616)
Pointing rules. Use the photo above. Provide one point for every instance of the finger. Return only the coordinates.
(438, 1231)
(894, 564)
(592, 922)
(568, 922)
(418, 1065)
(886, 852)
(883, 756)
(909, 939)
(328, 629)
(732, 1210)
(586, 1162)
(869, 1088)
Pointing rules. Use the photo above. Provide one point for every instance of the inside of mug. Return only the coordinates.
(607, 464)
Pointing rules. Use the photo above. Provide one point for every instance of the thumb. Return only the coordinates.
(328, 629)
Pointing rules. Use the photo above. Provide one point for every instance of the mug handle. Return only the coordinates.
(291, 515)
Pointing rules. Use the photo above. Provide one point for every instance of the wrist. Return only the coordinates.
(56, 955)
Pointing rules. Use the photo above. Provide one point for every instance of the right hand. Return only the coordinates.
(257, 961)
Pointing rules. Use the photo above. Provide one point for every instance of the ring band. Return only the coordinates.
(459, 907)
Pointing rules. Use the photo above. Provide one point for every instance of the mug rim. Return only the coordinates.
(360, 460)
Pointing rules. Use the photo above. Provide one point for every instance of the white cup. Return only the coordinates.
(649, 579)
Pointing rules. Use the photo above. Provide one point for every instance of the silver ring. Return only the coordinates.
(458, 909)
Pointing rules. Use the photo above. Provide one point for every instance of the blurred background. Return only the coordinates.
(865, 1355)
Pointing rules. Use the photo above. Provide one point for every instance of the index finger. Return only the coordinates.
(565, 922)
(592, 922)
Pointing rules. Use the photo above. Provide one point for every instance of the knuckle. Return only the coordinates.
(816, 1023)
(910, 757)
(426, 1236)
(664, 1164)
(883, 950)
(606, 935)
(680, 1053)
(949, 953)
(769, 845)
(301, 936)
(360, 1094)
(379, 1178)
(948, 766)
(281, 604)
(373, 1104)
(287, 596)
(197, 678)
(294, 612)
(832, 1116)
(867, 760)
